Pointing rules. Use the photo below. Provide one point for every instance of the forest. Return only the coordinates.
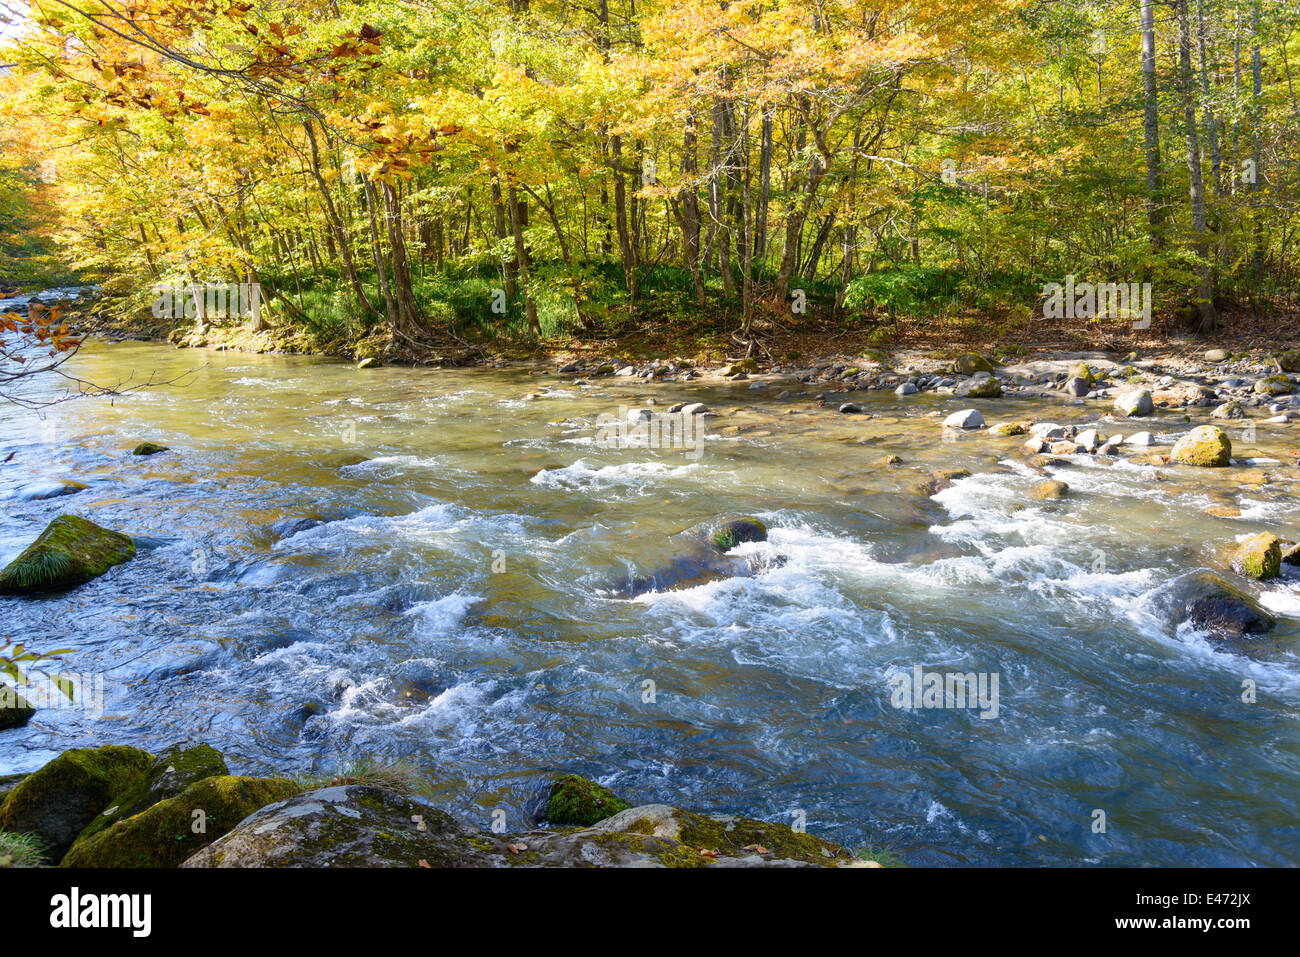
(421, 172)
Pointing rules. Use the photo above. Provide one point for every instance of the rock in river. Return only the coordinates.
(70, 551)
(1135, 404)
(1206, 445)
(965, 419)
(1259, 556)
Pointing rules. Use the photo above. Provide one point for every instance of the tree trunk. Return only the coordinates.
(1206, 318)
(1151, 126)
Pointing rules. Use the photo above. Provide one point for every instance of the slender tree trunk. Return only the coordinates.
(377, 253)
(1206, 317)
(335, 222)
(1151, 126)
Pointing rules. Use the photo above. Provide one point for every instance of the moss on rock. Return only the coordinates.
(1207, 446)
(170, 774)
(574, 800)
(972, 362)
(737, 530)
(1259, 556)
(15, 710)
(170, 831)
(69, 552)
(58, 801)
(149, 448)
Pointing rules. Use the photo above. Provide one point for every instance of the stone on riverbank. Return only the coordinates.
(365, 826)
(58, 801)
(1207, 446)
(15, 710)
(69, 552)
(164, 834)
(573, 800)
(972, 362)
(979, 388)
(170, 773)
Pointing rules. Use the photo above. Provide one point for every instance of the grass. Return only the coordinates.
(21, 850)
(881, 855)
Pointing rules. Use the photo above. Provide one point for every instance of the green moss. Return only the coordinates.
(170, 831)
(737, 530)
(1009, 428)
(736, 837)
(741, 365)
(169, 775)
(60, 799)
(148, 448)
(69, 552)
(15, 710)
(1275, 385)
(972, 362)
(1259, 556)
(1206, 446)
(575, 800)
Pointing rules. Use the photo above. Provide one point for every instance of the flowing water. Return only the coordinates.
(451, 609)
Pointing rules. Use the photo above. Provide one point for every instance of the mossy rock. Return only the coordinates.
(1050, 490)
(15, 710)
(747, 366)
(369, 362)
(69, 552)
(171, 772)
(1207, 446)
(149, 448)
(972, 362)
(737, 530)
(1289, 361)
(1080, 370)
(1275, 385)
(58, 801)
(1259, 556)
(170, 831)
(1009, 428)
(575, 800)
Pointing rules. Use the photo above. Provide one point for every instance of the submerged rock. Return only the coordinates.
(70, 551)
(149, 448)
(365, 826)
(169, 832)
(702, 557)
(57, 802)
(575, 800)
(1206, 446)
(40, 491)
(1227, 616)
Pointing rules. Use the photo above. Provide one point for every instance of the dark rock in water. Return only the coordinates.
(1214, 605)
(163, 835)
(58, 801)
(1226, 617)
(359, 825)
(341, 460)
(40, 491)
(149, 448)
(171, 772)
(574, 800)
(15, 710)
(702, 557)
(288, 527)
(69, 552)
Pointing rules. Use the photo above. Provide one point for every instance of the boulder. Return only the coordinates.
(171, 831)
(1274, 385)
(1289, 361)
(1259, 556)
(1076, 386)
(1080, 370)
(1135, 404)
(907, 388)
(1216, 355)
(58, 801)
(1227, 616)
(1008, 428)
(735, 531)
(171, 772)
(1207, 446)
(148, 448)
(40, 491)
(972, 362)
(70, 551)
(15, 710)
(1050, 490)
(965, 419)
(1142, 439)
(365, 826)
(748, 366)
(574, 800)
(979, 388)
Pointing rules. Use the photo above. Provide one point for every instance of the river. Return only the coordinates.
(451, 608)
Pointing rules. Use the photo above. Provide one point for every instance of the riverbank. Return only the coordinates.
(116, 807)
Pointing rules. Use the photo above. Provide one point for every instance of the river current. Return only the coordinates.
(414, 565)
